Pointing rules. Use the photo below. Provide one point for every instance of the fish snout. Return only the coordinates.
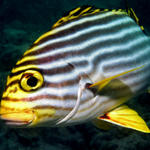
(18, 119)
(16, 113)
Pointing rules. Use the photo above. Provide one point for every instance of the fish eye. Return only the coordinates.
(31, 80)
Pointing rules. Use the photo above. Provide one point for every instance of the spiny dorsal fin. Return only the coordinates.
(132, 14)
(82, 11)
(75, 13)
(88, 10)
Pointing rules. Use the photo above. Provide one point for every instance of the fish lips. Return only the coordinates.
(18, 119)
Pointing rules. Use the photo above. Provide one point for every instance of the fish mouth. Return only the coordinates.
(18, 119)
(16, 123)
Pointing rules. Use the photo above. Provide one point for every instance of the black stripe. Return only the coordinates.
(19, 72)
(77, 27)
(11, 84)
(79, 39)
(63, 83)
(86, 37)
(49, 96)
(53, 107)
(46, 59)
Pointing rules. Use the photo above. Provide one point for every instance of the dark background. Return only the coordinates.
(21, 23)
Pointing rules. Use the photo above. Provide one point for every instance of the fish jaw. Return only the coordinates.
(18, 119)
(16, 114)
(44, 117)
(22, 114)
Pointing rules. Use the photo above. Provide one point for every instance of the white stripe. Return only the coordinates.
(88, 68)
(53, 65)
(85, 31)
(93, 41)
(62, 113)
(54, 103)
(132, 59)
(88, 42)
(102, 105)
(118, 47)
(62, 91)
(70, 103)
(80, 70)
(91, 112)
(62, 62)
(83, 20)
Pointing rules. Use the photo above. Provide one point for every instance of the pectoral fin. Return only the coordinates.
(103, 83)
(126, 117)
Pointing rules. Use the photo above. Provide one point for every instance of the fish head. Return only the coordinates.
(22, 98)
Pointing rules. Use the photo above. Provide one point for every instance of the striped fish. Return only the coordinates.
(89, 63)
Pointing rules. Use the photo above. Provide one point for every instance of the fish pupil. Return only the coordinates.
(32, 81)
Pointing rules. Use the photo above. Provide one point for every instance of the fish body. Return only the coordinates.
(50, 84)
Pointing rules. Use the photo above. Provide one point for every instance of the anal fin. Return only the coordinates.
(126, 117)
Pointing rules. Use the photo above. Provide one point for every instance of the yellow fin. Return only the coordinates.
(83, 11)
(88, 10)
(101, 84)
(126, 117)
(75, 13)
(132, 14)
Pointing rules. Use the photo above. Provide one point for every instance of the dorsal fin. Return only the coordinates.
(83, 11)
(132, 14)
(87, 10)
(75, 13)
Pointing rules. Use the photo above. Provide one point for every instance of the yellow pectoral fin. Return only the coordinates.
(126, 117)
(101, 84)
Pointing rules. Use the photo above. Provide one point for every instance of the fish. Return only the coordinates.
(84, 69)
